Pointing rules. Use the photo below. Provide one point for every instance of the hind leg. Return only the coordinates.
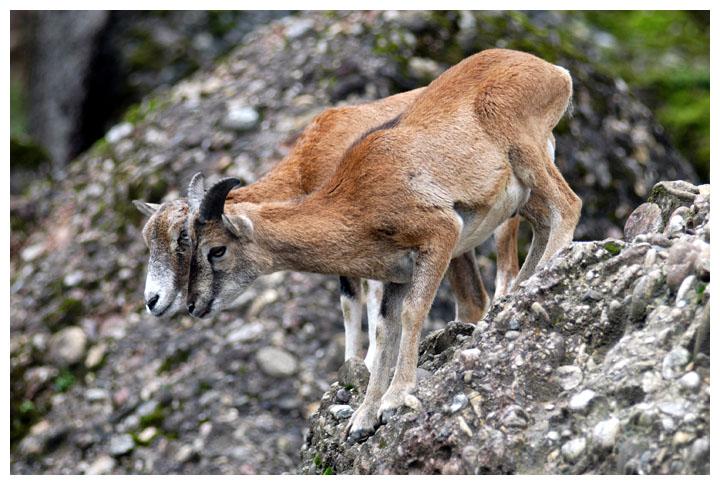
(507, 255)
(553, 209)
(471, 298)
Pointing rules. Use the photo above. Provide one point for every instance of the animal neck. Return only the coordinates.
(301, 237)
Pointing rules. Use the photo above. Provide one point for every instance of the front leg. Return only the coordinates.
(373, 297)
(387, 335)
(429, 270)
(351, 304)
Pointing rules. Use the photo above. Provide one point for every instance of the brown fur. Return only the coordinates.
(404, 201)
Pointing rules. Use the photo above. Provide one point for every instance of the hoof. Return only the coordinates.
(387, 415)
(359, 435)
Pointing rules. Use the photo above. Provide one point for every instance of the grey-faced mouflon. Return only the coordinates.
(471, 151)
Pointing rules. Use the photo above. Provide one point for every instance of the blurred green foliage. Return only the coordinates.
(665, 57)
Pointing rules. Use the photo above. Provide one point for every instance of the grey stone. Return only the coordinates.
(459, 401)
(276, 362)
(67, 347)
(95, 355)
(121, 445)
(674, 362)
(515, 417)
(647, 218)
(581, 401)
(573, 449)
(422, 68)
(569, 376)
(341, 411)
(353, 373)
(103, 465)
(241, 118)
(605, 433)
(690, 381)
(298, 27)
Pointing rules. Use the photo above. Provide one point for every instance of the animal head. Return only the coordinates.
(167, 238)
(225, 258)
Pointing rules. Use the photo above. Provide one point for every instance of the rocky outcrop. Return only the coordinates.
(212, 396)
(598, 364)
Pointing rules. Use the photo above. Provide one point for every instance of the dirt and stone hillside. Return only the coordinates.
(99, 386)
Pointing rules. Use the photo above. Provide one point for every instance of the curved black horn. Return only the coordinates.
(214, 201)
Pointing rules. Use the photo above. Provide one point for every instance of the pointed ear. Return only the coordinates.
(239, 225)
(196, 191)
(145, 207)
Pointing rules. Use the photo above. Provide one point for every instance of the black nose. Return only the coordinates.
(152, 301)
(191, 307)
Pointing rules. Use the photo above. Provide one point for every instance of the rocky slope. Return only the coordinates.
(598, 364)
(98, 386)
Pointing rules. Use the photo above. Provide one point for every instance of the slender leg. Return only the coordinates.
(364, 419)
(507, 255)
(351, 304)
(565, 207)
(471, 299)
(373, 297)
(429, 270)
(553, 211)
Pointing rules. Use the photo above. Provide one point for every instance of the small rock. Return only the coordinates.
(459, 401)
(340, 411)
(276, 362)
(95, 355)
(246, 333)
(148, 434)
(34, 443)
(94, 395)
(538, 310)
(297, 28)
(515, 417)
(646, 219)
(580, 401)
(185, 453)
(118, 132)
(421, 68)
(512, 335)
(121, 445)
(72, 279)
(700, 451)
(672, 408)
(605, 433)
(681, 438)
(470, 357)
(573, 449)
(674, 362)
(147, 408)
(569, 376)
(240, 118)
(32, 252)
(353, 373)
(690, 381)
(103, 465)
(685, 293)
(342, 396)
(67, 347)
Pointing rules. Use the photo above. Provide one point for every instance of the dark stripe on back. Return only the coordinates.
(387, 125)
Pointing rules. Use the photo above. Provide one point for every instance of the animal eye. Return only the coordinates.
(217, 252)
(183, 239)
